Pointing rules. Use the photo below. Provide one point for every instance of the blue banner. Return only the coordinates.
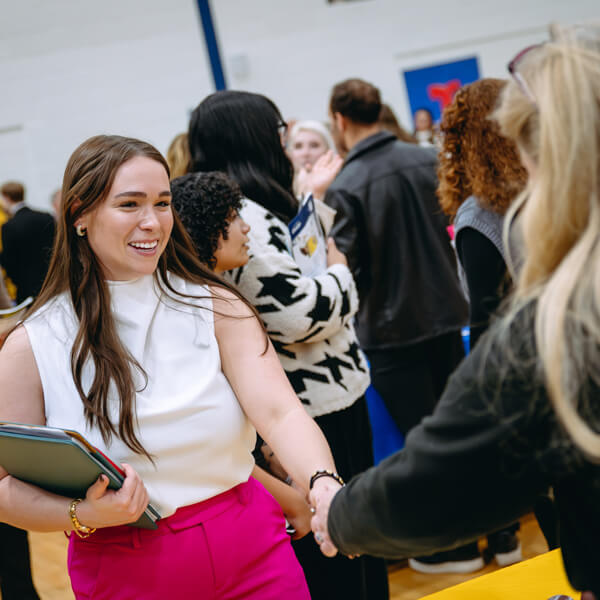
(434, 87)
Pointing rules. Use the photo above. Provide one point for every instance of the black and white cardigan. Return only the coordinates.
(309, 319)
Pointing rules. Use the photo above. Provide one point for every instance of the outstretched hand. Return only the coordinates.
(318, 178)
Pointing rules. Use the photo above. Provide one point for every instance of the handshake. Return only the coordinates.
(320, 498)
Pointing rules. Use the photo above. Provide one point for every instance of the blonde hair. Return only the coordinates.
(559, 216)
(178, 155)
(314, 126)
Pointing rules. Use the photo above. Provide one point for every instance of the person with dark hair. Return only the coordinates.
(390, 226)
(160, 364)
(521, 413)
(27, 239)
(308, 318)
(208, 204)
(5, 298)
(424, 131)
(268, 175)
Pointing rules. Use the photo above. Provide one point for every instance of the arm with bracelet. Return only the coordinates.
(29, 507)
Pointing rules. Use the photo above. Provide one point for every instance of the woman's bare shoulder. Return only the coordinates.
(227, 303)
(21, 393)
(17, 342)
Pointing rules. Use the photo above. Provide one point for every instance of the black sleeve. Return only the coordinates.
(485, 272)
(8, 256)
(350, 235)
(465, 471)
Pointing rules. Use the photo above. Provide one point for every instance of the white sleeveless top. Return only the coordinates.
(188, 417)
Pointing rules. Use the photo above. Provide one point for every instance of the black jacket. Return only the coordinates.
(27, 240)
(392, 230)
(480, 462)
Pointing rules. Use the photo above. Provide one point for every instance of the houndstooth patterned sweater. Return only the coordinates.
(309, 319)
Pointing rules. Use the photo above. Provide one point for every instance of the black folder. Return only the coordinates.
(60, 461)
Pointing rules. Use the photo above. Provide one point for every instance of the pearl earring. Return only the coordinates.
(80, 230)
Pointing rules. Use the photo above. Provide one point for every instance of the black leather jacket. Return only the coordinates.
(391, 228)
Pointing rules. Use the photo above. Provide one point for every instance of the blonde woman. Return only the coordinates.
(307, 142)
(522, 412)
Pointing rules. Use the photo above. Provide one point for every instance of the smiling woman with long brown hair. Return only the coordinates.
(161, 365)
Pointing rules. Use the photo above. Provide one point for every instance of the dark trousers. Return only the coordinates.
(411, 379)
(348, 432)
(15, 567)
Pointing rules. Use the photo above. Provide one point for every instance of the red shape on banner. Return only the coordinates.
(443, 92)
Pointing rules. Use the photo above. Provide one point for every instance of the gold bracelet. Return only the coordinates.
(81, 530)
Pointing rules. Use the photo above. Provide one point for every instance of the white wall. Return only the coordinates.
(297, 50)
(74, 68)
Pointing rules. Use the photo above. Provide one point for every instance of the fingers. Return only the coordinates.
(133, 494)
(98, 488)
(139, 500)
(106, 508)
(328, 549)
(329, 161)
(322, 539)
(130, 483)
(337, 162)
(324, 159)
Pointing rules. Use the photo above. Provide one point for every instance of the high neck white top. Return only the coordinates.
(188, 417)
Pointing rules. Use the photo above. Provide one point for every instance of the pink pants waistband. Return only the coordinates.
(183, 518)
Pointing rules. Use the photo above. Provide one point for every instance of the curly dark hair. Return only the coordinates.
(475, 159)
(206, 204)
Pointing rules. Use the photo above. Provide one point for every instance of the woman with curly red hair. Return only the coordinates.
(480, 173)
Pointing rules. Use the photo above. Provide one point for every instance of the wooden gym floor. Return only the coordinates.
(49, 560)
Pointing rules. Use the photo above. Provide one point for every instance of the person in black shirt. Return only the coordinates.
(27, 239)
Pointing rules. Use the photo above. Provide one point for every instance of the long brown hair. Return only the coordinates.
(74, 268)
(476, 159)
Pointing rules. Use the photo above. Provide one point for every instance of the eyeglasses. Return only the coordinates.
(519, 79)
(282, 128)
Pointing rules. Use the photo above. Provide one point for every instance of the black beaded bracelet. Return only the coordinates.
(325, 473)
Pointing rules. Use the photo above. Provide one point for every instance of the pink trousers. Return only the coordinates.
(232, 546)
